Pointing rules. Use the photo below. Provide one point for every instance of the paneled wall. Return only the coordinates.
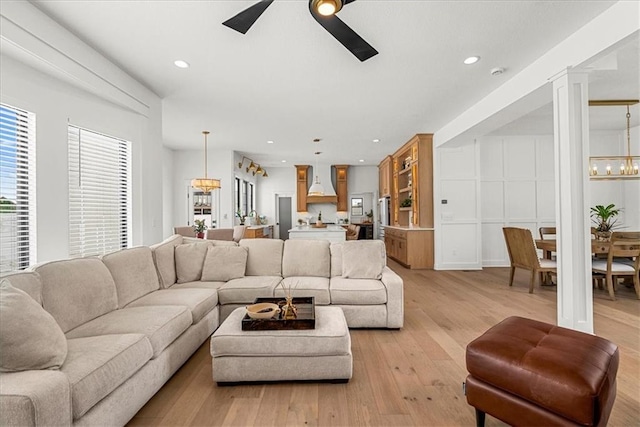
(517, 189)
(457, 208)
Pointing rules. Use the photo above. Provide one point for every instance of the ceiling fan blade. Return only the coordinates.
(245, 19)
(345, 35)
(348, 1)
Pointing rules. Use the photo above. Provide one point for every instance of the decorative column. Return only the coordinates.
(571, 153)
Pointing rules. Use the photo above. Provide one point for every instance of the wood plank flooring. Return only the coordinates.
(410, 377)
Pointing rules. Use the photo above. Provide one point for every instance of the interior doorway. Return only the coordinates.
(283, 215)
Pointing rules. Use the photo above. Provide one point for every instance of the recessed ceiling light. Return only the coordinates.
(361, 160)
(283, 161)
(472, 60)
(376, 140)
(497, 71)
(181, 64)
(269, 142)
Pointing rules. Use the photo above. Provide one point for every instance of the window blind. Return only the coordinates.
(99, 193)
(17, 189)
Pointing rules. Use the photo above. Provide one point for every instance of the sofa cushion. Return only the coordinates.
(357, 291)
(133, 272)
(164, 259)
(301, 286)
(198, 284)
(160, 324)
(199, 301)
(223, 243)
(84, 284)
(265, 257)
(224, 263)
(96, 366)
(306, 258)
(30, 338)
(189, 260)
(363, 259)
(246, 289)
(336, 259)
(27, 281)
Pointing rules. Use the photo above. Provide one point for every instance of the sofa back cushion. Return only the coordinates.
(164, 259)
(306, 258)
(265, 256)
(75, 291)
(133, 272)
(30, 338)
(190, 259)
(224, 263)
(363, 259)
(27, 281)
(336, 259)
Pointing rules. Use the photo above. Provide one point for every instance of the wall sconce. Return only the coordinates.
(253, 167)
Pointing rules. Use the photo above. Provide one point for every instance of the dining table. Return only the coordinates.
(549, 245)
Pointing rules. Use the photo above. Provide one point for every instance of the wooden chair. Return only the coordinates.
(522, 254)
(353, 231)
(186, 231)
(546, 232)
(623, 260)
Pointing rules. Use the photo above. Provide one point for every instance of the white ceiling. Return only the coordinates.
(289, 81)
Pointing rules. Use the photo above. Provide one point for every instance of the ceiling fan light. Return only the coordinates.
(328, 7)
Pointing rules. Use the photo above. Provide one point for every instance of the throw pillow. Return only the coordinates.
(189, 261)
(224, 263)
(363, 259)
(30, 338)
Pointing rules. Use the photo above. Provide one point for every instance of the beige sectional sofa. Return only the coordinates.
(131, 318)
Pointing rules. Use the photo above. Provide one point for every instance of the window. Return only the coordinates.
(245, 196)
(17, 189)
(99, 193)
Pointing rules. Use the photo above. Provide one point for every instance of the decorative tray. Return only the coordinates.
(319, 226)
(306, 316)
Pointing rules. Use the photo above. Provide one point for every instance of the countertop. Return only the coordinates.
(329, 227)
(407, 228)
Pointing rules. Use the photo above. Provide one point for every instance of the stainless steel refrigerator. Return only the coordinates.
(384, 215)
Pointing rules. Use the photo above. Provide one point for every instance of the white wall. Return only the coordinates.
(189, 164)
(458, 220)
(500, 181)
(56, 104)
(167, 192)
(517, 189)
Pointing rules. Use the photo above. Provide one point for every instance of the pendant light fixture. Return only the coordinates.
(616, 167)
(205, 184)
(316, 188)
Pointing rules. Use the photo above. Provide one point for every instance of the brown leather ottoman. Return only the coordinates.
(530, 373)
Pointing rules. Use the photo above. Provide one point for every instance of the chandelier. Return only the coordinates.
(615, 167)
(253, 167)
(205, 184)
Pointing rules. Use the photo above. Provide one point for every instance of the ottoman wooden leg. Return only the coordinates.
(479, 418)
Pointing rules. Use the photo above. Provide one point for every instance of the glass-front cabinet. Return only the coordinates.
(203, 206)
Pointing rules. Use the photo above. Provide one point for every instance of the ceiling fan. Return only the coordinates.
(323, 11)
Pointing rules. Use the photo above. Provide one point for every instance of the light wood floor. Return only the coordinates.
(410, 377)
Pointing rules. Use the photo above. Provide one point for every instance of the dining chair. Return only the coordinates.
(353, 231)
(623, 259)
(186, 231)
(522, 254)
(547, 232)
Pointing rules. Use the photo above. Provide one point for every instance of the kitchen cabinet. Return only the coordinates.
(411, 247)
(412, 183)
(301, 187)
(258, 232)
(384, 172)
(341, 188)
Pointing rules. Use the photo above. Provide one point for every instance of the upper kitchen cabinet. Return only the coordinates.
(412, 183)
(341, 188)
(340, 199)
(384, 171)
(302, 185)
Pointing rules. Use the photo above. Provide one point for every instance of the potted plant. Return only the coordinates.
(199, 226)
(369, 216)
(604, 217)
(241, 217)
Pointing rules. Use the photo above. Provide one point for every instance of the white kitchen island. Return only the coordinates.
(332, 233)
